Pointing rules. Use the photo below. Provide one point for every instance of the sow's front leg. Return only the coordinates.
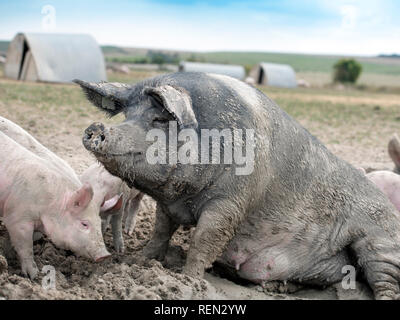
(21, 236)
(116, 229)
(214, 230)
(131, 213)
(164, 228)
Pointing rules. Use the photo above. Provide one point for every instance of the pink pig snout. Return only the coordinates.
(100, 256)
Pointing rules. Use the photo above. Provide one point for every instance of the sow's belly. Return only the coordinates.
(259, 253)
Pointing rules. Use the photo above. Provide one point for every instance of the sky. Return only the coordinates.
(344, 27)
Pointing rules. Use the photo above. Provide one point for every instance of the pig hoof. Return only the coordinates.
(388, 296)
(193, 271)
(119, 247)
(152, 251)
(30, 270)
(3, 264)
(129, 231)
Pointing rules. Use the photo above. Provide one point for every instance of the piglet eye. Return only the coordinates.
(85, 225)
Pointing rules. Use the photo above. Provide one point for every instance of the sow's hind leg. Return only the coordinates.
(379, 256)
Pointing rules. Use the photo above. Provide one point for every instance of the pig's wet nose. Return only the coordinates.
(94, 128)
(94, 137)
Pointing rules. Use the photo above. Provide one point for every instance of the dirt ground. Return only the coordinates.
(131, 276)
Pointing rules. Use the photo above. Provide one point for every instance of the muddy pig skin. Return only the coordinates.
(302, 214)
(34, 195)
(389, 183)
(117, 199)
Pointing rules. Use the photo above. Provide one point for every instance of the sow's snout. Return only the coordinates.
(94, 138)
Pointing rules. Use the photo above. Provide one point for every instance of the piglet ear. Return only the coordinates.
(362, 170)
(80, 199)
(111, 205)
(394, 150)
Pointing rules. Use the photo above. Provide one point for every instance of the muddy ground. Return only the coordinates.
(131, 276)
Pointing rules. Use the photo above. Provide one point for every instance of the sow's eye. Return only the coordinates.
(160, 122)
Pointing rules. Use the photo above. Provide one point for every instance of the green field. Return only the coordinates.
(300, 62)
(378, 73)
(4, 45)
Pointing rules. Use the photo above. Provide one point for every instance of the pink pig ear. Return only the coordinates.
(362, 170)
(394, 150)
(111, 205)
(81, 198)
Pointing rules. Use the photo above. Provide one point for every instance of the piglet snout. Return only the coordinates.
(99, 259)
(102, 256)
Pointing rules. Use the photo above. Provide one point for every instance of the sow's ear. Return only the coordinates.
(110, 97)
(177, 102)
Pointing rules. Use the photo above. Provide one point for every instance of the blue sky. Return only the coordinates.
(351, 27)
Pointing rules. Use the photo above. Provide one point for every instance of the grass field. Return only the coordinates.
(299, 62)
(4, 45)
(377, 72)
(374, 81)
